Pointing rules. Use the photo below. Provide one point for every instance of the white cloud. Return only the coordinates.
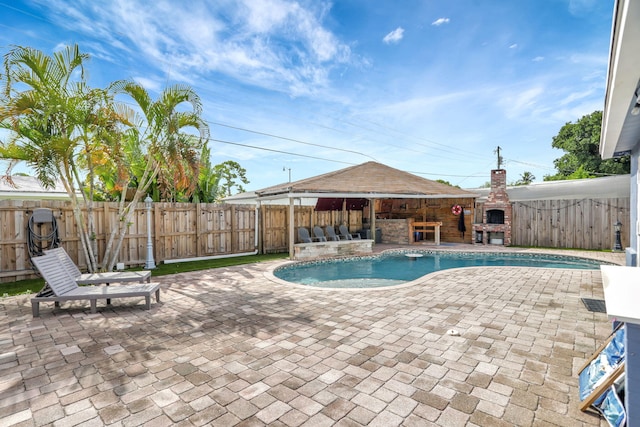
(520, 101)
(418, 106)
(440, 21)
(588, 59)
(153, 85)
(275, 44)
(571, 98)
(394, 36)
(513, 46)
(538, 59)
(580, 7)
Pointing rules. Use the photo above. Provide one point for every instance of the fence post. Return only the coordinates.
(156, 232)
(197, 228)
(234, 231)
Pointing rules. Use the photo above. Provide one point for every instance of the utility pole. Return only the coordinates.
(497, 151)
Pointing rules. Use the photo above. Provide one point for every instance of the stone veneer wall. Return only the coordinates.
(394, 230)
(332, 249)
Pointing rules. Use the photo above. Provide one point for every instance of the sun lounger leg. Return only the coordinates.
(158, 295)
(93, 305)
(35, 308)
(147, 299)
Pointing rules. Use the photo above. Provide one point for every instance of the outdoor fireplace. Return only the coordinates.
(495, 228)
(495, 216)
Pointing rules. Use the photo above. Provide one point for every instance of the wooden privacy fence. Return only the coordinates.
(178, 230)
(186, 230)
(579, 223)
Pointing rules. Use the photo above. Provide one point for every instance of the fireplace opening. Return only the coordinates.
(495, 216)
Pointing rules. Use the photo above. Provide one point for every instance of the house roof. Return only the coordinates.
(617, 186)
(621, 121)
(28, 187)
(367, 180)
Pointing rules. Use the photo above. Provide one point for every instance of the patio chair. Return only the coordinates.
(60, 286)
(331, 233)
(303, 235)
(319, 234)
(344, 232)
(96, 278)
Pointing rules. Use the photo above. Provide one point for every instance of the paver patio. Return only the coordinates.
(230, 347)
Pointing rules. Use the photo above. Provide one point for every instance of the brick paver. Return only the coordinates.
(232, 347)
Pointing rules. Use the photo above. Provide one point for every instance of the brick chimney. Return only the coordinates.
(496, 212)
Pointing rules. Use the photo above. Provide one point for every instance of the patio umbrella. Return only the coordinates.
(461, 227)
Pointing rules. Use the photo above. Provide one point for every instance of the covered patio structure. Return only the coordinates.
(389, 194)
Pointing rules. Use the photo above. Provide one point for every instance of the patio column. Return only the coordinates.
(292, 222)
(372, 214)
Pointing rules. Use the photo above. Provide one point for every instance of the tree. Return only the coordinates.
(231, 175)
(208, 188)
(581, 141)
(525, 179)
(442, 181)
(157, 146)
(53, 119)
(69, 132)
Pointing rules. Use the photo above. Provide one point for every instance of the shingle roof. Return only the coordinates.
(367, 180)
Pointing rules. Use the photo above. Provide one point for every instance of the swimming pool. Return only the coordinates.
(397, 268)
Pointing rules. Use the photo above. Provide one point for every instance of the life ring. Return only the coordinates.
(456, 209)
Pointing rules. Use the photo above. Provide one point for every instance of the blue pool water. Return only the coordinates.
(397, 268)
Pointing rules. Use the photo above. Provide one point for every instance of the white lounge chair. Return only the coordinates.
(97, 278)
(62, 287)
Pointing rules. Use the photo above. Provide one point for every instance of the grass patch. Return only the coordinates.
(31, 286)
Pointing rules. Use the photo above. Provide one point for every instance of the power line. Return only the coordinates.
(529, 164)
(318, 158)
(292, 139)
(281, 152)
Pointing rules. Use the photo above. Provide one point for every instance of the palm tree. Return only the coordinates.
(157, 147)
(67, 131)
(50, 114)
(525, 179)
(207, 190)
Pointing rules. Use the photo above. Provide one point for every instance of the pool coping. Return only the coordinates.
(269, 273)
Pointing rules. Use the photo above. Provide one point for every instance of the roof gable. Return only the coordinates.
(369, 179)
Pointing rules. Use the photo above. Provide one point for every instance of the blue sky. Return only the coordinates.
(309, 87)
